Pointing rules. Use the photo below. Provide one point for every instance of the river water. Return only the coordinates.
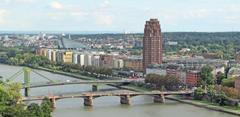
(141, 106)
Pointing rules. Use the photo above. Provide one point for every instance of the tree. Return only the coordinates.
(9, 106)
(16, 111)
(221, 98)
(168, 82)
(206, 76)
(198, 93)
(220, 76)
(229, 82)
(211, 93)
(14, 90)
(9, 96)
(4, 95)
(46, 107)
(36, 110)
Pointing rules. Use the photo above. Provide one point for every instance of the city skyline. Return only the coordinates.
(119, 16)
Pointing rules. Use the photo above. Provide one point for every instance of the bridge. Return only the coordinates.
(158, 96)
(27, 85)
(77, 82)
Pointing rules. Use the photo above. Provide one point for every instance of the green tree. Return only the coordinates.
(206, 76)
(46, 107)
(229, 82)
(16, 111)
(221, 98)
(168, 82)
(9, 106)
(198, 93)
(211, 93)
(35, 109)
(219, 78)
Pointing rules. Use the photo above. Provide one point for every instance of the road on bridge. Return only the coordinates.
(68, 82)
(107, 93)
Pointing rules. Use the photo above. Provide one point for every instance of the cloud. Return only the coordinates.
(3, 14)
(106, 3)
(56, 5)
(105, 20)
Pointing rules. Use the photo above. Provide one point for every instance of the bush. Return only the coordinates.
(221, 99)
(229, 82)
(199, 94)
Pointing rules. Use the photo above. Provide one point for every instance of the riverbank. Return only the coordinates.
(205, 105)
(140, 89)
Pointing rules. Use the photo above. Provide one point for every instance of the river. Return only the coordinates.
(141, 106)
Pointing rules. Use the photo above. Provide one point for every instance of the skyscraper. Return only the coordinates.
(152, 43)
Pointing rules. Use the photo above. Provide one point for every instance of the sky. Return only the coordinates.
(119, 15)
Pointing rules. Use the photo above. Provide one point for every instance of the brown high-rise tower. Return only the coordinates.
(152, 43)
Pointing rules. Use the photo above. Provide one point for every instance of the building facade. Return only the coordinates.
(135, 64)
(152, 43)
(53, 56)
(67, 57)
(192, 78)
(106, 60)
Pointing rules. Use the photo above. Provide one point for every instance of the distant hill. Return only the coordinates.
(171, 35)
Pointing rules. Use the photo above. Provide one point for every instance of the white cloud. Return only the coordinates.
(56, 5)
(105, 20)
(3, 14)
(106, 3)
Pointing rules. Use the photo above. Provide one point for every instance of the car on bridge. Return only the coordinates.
(68, 81)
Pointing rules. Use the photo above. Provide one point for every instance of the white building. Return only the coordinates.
(96, 60)
(49, 54)
(88, 59)
(75, 58)
(81, 59)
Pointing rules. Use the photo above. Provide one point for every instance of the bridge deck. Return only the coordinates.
(100, 94)
(78, 82)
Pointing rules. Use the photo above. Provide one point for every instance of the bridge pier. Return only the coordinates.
(94, 87)
(159, 98)
(53, 101)
(125, 99)
(26, 91)
(88, 101)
